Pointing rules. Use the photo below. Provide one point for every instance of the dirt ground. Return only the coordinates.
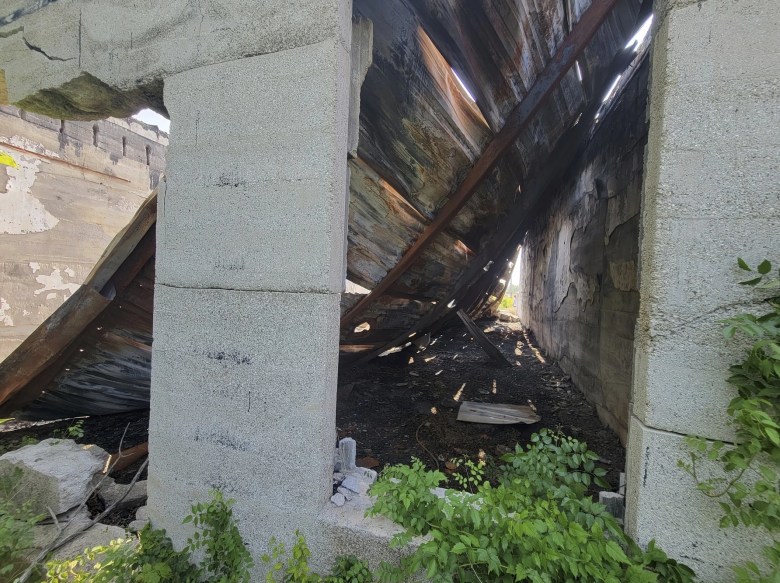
(405, 405)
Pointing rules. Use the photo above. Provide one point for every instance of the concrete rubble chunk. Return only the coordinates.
(338, 499)
(112, 493)
(98, 536)
(46, 532)
(141, 519)
(56, 474)
(614, 502)
(348, 451)
(346, 492)
(357, 485)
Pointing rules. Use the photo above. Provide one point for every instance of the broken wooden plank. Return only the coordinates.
(484, 342)
(120, 460)
(497, 413)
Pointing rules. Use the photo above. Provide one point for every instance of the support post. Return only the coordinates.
(250, 266)
(710, 195)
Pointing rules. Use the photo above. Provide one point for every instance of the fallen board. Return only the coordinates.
(490, 349)
(496, 414)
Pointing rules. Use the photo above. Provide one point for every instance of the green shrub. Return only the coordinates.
(152, 558)
(748, 483)
(537, 525)
(294, 568)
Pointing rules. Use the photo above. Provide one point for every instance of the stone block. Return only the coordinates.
(743, 34)
(56, 474)
(260, 395)
(112, 493)
(271, 164)
(99, 535)
(662, 503)
(154, 44)
(689, 282)
(347, 454)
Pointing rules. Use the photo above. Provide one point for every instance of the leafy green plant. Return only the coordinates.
(747, 483)
(73, 431)
(294, 567)
(537, 525)
(16, 528)
(76, 431)
(226, 560)
(151, 557)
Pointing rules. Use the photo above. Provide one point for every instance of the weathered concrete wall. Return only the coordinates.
(711, 194)
(63, 205)
(579, 290)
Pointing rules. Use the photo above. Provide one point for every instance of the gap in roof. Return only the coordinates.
(641, 34)
(463, 86)
(154, 119)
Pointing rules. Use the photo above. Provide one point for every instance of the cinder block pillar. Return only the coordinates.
(710, 195)
(250, 266)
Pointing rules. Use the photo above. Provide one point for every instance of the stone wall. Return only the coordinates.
(77, 184)
(579, 261)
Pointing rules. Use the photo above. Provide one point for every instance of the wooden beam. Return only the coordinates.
(503, 243)
(483, 341)
(516, 121)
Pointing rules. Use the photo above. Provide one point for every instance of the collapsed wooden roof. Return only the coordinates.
(441, 188)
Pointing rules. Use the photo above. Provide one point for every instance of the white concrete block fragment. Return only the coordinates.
(338, 499)
(57, 474)
(614, 502)
(366, 474)
(97, 536)
(348, 494)
(112, 493)
(348, 454)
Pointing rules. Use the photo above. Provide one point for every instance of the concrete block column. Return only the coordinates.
(250, 266)
(710, 195)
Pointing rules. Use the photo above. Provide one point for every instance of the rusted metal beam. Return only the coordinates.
(516, 121)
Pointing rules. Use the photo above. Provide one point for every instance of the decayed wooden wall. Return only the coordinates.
(62, 206)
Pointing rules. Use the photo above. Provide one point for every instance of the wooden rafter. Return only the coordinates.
(516, 121)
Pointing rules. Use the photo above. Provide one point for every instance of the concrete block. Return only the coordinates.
(99, 535)
(743, 34)
(614, 502)
(361, 56)
(271, 164)
(112, 493)
(259, 391)
(330, 532)
(124, 46)
(689, 284)
(662, 503)
(348, 454)
(56, 474)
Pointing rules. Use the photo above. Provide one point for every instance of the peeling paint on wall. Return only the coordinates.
(62, 206)
(5, 319)
(579, 262)
(22, 212)
(55, 283)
